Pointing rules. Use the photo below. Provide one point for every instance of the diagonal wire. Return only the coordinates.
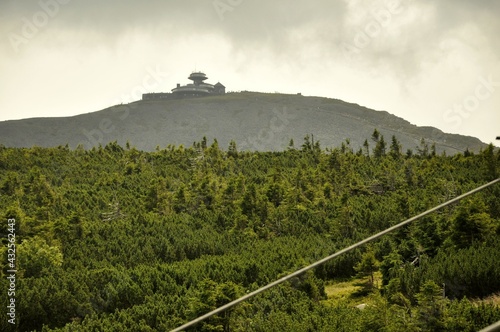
(492, 328)
(338, 253)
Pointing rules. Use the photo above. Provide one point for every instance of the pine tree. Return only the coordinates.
(430, 309)
(367, 148)
(395, 151)
(379, 150)
(232, 151)
(375, 135)
(368, 265)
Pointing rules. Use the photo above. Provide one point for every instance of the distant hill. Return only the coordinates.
(255, 121)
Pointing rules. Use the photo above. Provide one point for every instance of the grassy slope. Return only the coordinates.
(256, 121)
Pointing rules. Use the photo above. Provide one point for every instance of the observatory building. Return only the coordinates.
(196, 89)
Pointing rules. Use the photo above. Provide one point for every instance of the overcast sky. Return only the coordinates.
(433, 63)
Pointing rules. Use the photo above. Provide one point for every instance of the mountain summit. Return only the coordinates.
(255, 121)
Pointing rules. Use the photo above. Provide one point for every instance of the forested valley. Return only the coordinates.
(117, 239)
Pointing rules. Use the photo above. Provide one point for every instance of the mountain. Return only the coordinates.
(255, 121)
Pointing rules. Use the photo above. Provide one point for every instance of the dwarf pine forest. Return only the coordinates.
(117, 239)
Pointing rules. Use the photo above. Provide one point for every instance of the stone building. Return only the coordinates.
(196, 89)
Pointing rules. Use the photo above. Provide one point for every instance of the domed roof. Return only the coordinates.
(198, 76)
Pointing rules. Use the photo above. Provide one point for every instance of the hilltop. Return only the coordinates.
(255, 121)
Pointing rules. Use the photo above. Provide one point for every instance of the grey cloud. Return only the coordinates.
(262, 24)
(403, 53)
(244, 24)
(453, 14)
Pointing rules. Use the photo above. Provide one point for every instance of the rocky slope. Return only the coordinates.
(255, 121)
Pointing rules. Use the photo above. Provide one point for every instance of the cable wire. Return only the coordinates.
(324, 260)
(492, 328)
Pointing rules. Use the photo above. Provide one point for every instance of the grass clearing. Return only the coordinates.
(355, 290)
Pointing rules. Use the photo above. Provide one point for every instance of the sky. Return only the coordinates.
(433, 63)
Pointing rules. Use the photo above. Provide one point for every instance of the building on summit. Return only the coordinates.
(196, 89)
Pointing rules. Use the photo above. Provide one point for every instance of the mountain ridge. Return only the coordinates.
(254, 120)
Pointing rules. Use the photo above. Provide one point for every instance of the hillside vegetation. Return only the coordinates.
(118, 239)
(255, 121)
